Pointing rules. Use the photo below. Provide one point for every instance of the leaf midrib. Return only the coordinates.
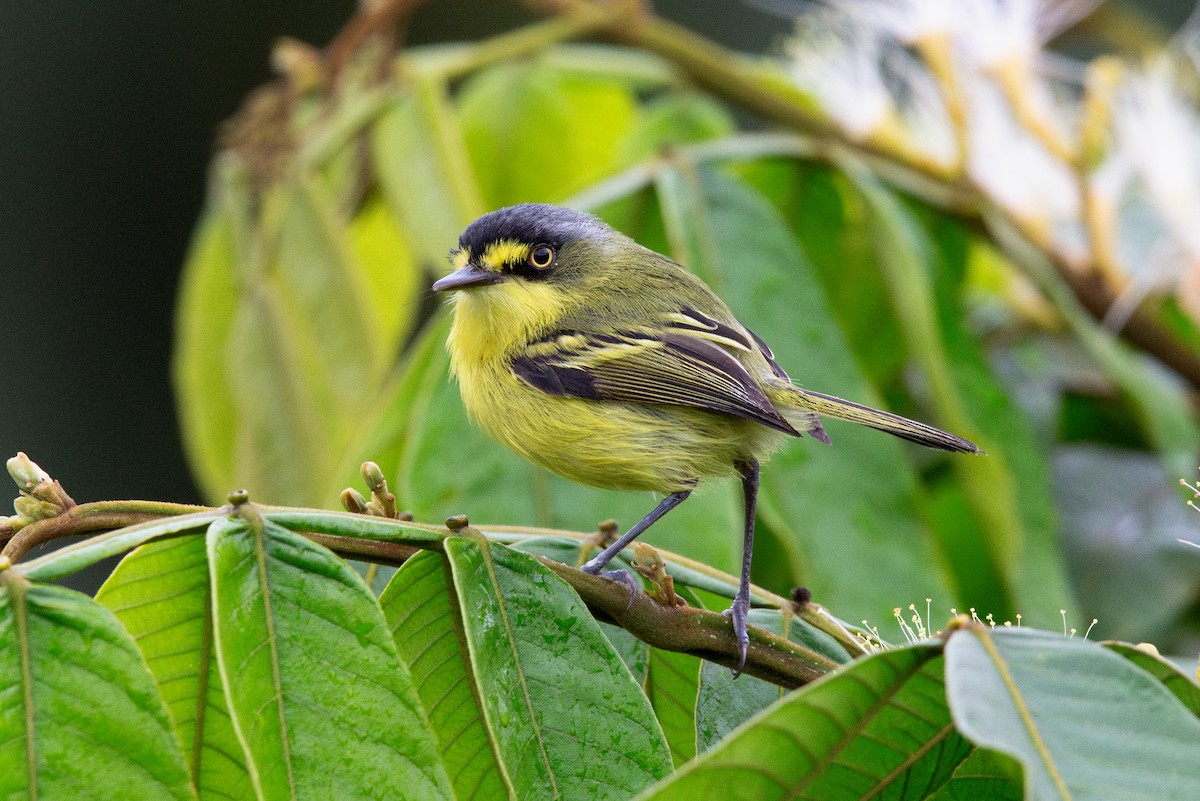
(485, 547)
(1010, 685)
(259, 536)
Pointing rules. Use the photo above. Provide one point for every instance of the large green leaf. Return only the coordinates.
(306, 352)
(879, 728)
(568, 719)
(423, 170)
(633, 652)
(393, 280)
(291, 313)
(835, 509)
(419, 611)
(78, 709)
(204, 318)
(318, 697)
(1084, 722)
(817, 202)
(536, 132)
(161, 595)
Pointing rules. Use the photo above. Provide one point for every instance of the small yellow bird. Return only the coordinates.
(612, 365)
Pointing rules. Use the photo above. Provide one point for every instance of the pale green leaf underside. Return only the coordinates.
(1084, 722)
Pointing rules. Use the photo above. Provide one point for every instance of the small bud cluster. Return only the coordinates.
(40, 496)
(382, 503)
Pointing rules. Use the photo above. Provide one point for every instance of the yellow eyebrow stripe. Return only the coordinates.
(504, 252)
(460, 258)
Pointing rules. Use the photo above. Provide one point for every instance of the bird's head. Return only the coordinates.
(518, 271)
(522, 246)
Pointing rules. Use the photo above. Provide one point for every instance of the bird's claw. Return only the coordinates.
(620, 576)
(738, 614)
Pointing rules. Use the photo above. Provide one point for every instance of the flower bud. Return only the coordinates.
(353, 501)
(373, 477)
(26, 473)
(30, 508)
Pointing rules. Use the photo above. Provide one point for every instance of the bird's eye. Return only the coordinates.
(541, 257)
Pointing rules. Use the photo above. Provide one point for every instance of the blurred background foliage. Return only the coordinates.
(895, 225)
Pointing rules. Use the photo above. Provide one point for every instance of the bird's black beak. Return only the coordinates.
(467, 277)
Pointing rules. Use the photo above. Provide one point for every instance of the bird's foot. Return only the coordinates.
(738, 614)
(619, 576)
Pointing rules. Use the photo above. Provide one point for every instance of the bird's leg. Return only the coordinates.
(741, 601)
(601, 559)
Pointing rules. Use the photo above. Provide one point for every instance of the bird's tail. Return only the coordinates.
(805, 403)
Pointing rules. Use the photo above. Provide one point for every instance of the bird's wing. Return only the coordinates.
(687, 360)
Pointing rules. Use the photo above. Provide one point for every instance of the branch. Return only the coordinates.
(698, 632)
(90, 518)
(707, 635)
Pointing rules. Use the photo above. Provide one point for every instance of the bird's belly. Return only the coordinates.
(608, 444)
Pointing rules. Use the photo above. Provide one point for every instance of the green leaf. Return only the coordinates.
(1084, 722)
(633, 652)
(836, 508)
(291, 315)
(671, 684)
(424, 626)
(394, 281)
(204, 319)
(1179, 683)
(828, 220)
(424, 172)
(388, 438)
(306, 352)
(1038, 570)
(984, 776)
(355, 526)
(724, 702)
(319, 699)
(160, 593)
(78, 710)
(539, 133)
(878, 728)
(568, 719)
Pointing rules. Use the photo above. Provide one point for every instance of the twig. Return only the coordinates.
(88, 518)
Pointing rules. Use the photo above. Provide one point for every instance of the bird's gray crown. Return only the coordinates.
(531, 223)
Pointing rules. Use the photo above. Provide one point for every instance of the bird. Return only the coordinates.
(608, 363)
